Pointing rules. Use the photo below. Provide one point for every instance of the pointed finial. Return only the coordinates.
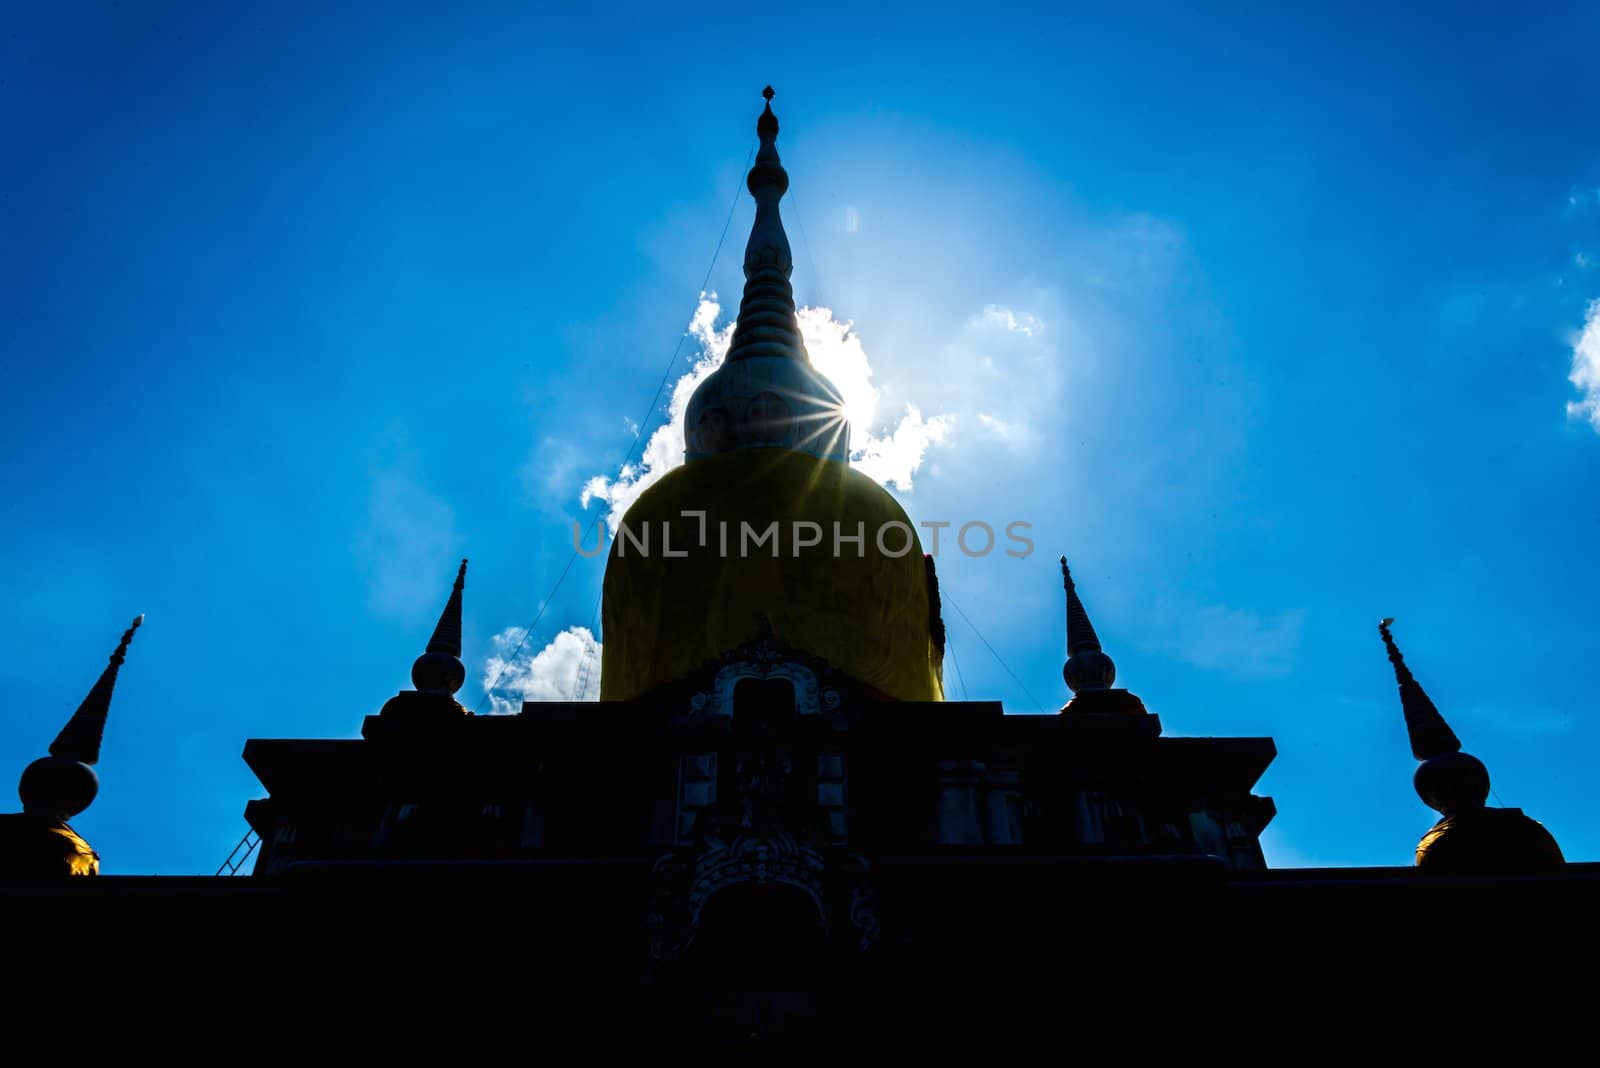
(439, 669)
(80, 739)
(1087, 666)
(63, 784)
(1448, 780)
(1430, 734)
(767, 132)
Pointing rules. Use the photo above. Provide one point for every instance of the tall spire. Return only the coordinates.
(1430, 735)
(63, 784)
(1087, 667)
(80, 739)
(767, 324)
(767, 394)
(439, 669)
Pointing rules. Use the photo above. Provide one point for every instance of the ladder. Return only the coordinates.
(241, 853)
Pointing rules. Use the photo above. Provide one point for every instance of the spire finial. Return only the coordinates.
(1087, 666)
(439, 669)
(1447, 780)
(1430, 734)
(80, 739)
(63, 784)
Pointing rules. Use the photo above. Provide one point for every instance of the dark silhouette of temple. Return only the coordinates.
(774, 828)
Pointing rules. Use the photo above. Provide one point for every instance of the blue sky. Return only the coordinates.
(1266, 318)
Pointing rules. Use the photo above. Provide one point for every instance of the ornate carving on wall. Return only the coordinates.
(767, 658)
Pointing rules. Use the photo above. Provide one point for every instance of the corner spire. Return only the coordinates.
(1471, 838)
(439, 669)
(80, 739)
(1087, 666)
(63, 784)
(1430, 735)
(767, 324)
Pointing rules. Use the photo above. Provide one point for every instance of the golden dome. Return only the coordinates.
(1485, 841)
(776, 542)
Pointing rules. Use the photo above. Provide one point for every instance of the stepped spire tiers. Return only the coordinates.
(1471, 837)
(37, 842)
(767, 325)
(439, 670)
(766, 394)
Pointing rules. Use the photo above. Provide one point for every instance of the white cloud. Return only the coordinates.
(1018, 324)
(891, 457)
(895, 457)
(1586, 369)
(567, 669)
(836, 352)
